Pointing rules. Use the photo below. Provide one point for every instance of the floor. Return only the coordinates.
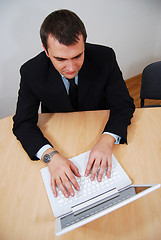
(134, 85)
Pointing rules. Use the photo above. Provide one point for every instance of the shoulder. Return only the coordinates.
(98, 49)
(37, 63)
(99, 52)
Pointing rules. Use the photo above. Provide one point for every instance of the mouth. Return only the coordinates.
(70, 73)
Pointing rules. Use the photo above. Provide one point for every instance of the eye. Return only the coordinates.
(60, 59)
(78, 56)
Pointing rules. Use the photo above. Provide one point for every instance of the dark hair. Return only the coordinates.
(64, 25)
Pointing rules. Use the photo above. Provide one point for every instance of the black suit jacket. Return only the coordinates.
(100, 86)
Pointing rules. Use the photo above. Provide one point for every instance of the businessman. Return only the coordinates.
(71, 75)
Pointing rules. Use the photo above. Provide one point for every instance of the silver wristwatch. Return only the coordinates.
(47, 157)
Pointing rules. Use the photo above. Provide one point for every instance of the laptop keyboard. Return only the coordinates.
(91, 192)
(89, 188)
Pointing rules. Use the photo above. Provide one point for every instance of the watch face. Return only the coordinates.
(46, 158)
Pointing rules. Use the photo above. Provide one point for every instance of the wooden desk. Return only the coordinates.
(25, 212)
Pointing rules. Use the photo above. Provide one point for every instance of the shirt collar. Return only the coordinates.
(76, 78)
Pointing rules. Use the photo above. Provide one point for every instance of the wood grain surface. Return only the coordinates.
(25, 211)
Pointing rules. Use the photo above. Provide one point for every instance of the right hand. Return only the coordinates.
(62, 172)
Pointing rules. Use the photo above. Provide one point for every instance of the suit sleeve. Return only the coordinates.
(25, 120)
(120, 103)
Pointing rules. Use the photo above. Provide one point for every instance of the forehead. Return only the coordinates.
(57, 49)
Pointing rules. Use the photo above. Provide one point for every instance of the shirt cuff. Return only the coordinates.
(42, 150)
(117, 138)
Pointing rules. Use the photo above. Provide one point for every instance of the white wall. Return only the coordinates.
(131, 27)
(158, 35)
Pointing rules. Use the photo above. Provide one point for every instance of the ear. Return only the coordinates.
(45, 51)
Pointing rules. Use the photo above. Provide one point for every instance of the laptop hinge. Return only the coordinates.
(79, 208)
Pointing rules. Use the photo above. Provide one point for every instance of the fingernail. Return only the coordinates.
(66, 195)
(72, 194)
(99, 179)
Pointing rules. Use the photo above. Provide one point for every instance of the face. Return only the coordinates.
(67, 60)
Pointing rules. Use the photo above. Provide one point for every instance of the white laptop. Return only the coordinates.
(95, 199)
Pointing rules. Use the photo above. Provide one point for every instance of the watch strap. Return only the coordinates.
(47, 157)
(53, 153)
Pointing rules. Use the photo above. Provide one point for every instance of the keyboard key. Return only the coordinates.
(88, 187)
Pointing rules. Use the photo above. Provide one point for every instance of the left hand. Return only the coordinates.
(100, 155)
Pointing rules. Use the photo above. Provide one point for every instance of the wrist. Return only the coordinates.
(49, 150)
(49, 154)
(108, 139)
(117, 137)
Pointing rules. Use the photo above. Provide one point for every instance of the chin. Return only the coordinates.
(70, 75)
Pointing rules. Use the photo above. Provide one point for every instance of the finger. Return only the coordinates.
(95, 169)
(62, 188)
(89, 166)
(72, 179)
(53, 186)
(109, 168)
(68, 185)
(74, 169)
(101, 171)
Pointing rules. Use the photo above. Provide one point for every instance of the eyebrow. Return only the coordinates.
(59, 58)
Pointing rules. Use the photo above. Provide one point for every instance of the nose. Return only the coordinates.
(70, 66)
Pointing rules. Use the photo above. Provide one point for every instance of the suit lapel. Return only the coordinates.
(85, 77)
(59, 90)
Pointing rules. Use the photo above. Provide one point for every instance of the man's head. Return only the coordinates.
(63, 25)
(63, 36)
